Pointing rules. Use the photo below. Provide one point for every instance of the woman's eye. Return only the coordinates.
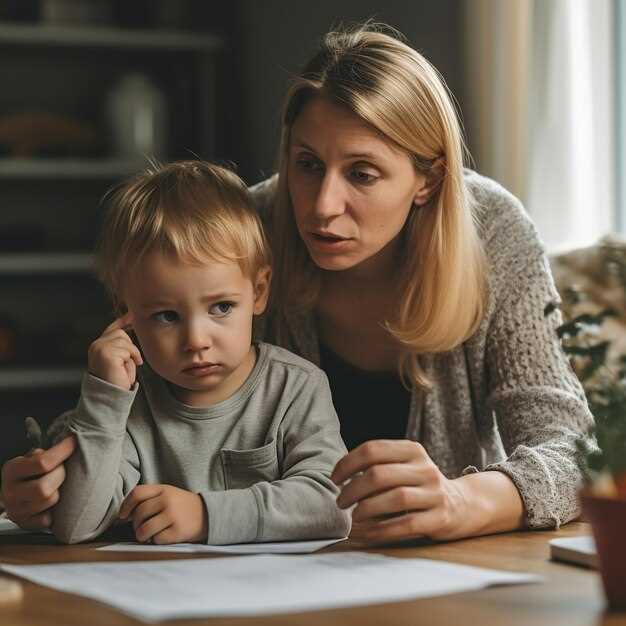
(309, 164)
(166, 317)
(362, 177)
(222, 308)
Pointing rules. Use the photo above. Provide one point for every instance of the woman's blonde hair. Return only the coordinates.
(394, 89)
(195, 211)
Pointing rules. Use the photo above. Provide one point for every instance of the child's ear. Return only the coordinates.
(262, 289)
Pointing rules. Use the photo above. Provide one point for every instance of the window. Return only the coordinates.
(620, 113)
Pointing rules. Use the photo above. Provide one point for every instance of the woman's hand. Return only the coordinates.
(165, 514)
(113, 356)
(399, 493)
(30, 484)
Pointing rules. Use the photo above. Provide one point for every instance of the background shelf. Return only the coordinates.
(68, 169)
(106, 37)
(15, 378)
(22, 263)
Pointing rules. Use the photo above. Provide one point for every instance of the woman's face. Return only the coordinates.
(351, 188)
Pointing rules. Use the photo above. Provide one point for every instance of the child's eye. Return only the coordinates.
(165, 317)
(222, 308)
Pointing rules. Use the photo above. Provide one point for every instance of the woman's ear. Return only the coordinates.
(432, 180)
(262, 289)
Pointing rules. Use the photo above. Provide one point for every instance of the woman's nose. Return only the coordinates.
(330, 200)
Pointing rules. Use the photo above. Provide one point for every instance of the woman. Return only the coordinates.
(420, 288)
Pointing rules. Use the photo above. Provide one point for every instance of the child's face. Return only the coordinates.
(194, 323)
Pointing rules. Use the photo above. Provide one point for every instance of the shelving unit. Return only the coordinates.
(60, 196)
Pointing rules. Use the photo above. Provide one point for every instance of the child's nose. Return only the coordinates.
(198, 338)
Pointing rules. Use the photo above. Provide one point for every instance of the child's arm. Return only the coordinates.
(105, 466)
(301, 503)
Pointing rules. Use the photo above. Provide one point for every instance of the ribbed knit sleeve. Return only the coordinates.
(539, 404)
(105, 466)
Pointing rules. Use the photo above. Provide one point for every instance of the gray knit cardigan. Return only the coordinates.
(506, 399)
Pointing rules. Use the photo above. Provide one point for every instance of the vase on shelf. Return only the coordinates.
(136, 113)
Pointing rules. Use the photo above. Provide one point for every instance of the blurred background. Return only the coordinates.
(89, 87)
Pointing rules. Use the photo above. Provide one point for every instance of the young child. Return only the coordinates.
(185, 426)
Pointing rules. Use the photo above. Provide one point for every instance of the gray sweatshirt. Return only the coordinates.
(261, 459)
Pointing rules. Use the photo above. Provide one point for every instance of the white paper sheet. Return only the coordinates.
(260, 585)
(278, 547)
(7, 527)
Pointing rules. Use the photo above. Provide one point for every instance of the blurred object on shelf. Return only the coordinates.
(136, 112)
(41, 349)
(22, 236)
(63, 344)
(76, 11)
(46, 134)
(8, 339)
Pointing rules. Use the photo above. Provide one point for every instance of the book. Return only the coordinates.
(578, 550)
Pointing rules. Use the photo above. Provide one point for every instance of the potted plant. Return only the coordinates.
(591, 339)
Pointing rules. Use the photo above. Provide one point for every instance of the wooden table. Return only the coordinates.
(570, 595)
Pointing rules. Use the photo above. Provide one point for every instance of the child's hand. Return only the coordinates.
(113, 356)
(165, 514)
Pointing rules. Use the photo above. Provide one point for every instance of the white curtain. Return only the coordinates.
(539, 110)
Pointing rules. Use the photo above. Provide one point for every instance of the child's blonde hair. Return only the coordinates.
(442, 275)
(192, 210)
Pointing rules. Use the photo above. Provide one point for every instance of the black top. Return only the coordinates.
(370, 405)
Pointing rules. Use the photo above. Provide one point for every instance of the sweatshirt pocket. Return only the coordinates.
(243, 468)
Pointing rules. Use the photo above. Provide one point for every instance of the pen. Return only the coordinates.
(33, 434)
(10, 591)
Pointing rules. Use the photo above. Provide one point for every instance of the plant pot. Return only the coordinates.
(608, 523)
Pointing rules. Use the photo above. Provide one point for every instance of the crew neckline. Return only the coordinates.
(166, 398)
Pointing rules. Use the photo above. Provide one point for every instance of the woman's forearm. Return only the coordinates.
(492, 504)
